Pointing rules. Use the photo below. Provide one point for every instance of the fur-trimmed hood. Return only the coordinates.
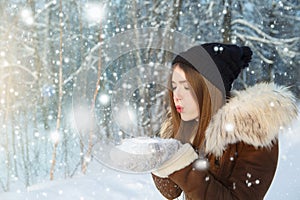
(254, 116)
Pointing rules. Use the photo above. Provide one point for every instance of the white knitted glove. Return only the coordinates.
(180, 159)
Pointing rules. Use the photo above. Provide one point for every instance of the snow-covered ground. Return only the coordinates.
(102, 183)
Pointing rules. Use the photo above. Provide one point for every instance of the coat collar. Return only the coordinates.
(253, 116)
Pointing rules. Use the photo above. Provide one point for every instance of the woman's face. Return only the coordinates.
(183, 97)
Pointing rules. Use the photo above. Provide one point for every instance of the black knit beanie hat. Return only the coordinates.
(230, 60)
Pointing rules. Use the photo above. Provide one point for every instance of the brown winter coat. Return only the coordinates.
(242, 159)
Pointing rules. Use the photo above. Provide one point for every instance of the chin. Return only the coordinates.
(187, 118)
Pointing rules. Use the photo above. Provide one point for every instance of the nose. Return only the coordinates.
(177, 95)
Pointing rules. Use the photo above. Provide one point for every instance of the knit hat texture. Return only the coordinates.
(230, 59)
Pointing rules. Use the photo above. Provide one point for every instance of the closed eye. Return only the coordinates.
(186, 86)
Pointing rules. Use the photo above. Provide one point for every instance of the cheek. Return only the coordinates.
(192, 101)
(195, 102)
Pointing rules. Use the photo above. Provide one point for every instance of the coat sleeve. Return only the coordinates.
(182, 158)
(250, 177)
(167, 187)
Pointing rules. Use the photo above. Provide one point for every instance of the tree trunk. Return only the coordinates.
(14, 150)
(270, 67)
(84, 89)
(60, 95)
(226, 29)
(24, 149)
(88, 154)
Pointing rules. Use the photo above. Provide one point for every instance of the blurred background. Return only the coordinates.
(53, 51)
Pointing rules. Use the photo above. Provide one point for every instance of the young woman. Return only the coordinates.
(230, 147)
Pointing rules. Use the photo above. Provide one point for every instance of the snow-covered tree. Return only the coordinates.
(61, 68)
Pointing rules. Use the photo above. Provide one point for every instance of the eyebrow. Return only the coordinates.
(185, 81)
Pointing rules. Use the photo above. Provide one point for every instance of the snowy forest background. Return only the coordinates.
(53, 68)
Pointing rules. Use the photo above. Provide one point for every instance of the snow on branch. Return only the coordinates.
(48, 5)
(24, 69)
(243, 38)
(267, 37)
(287, 16)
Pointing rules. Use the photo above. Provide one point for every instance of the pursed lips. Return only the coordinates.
(179, 108)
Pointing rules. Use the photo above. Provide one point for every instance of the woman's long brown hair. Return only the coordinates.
(202, 95)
